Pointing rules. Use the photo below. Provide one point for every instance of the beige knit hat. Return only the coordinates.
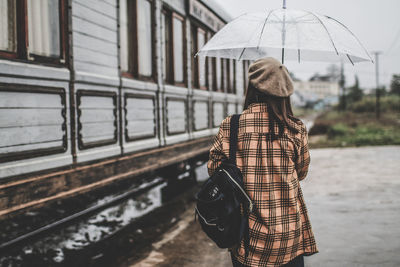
(270, 77)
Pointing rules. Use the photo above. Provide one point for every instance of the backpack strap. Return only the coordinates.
(233, 138)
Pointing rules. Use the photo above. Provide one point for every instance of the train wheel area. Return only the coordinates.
(106, 226)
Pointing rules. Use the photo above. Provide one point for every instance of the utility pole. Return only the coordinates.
(377, 108)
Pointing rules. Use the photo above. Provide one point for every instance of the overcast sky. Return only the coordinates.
(375, 22)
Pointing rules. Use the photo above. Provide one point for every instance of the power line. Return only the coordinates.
(393, 43)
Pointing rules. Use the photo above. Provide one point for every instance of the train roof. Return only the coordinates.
(218, 10)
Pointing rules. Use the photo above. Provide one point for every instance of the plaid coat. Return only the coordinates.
(279, 225)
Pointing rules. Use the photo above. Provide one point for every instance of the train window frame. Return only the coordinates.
(204, 32)
(196, 28)
(231, 89)
(169, 61)
(218, 67)
(246, 65)
(184, 58)
(225, 75)
(210, 66)
(165, 45)
(21, 52)
(133, 71)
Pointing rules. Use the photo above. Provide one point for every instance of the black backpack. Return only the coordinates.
(223, 206)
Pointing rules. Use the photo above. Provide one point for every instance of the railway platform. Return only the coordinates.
(351, 194)
(354, 206)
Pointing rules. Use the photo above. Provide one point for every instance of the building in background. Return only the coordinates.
(323, 89)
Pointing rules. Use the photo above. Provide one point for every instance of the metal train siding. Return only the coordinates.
(109, 97)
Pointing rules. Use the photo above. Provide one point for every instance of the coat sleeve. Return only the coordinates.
(303, 157)
(216, 153)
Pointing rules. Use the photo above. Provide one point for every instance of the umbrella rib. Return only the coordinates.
(262, 31)
(244, 48)
(298, 43)
(353, 36)
(350, 59)
(322, 23)
(241, 54)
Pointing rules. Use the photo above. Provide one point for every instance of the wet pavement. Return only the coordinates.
(353, 198)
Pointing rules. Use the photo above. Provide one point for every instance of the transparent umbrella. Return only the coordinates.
(287, 34)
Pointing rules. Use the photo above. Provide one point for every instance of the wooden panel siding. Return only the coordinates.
(95, 43)
(231, 109)
(89, 56)
(100, 7)
(89, 14)
(140, 117)
(176, 116)
(218, 113)
(89, 43)
(32, 121)
(200, 115)
(95, 69)
(94, 30)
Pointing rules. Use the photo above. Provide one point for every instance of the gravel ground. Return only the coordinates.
(353, 199)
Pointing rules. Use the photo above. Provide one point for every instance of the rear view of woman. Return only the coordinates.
(273, 156)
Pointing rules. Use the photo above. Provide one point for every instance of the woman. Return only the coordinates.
(273, 157)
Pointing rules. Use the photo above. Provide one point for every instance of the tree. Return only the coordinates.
(355, 93)
(342, 83)
(395, 84)
(333, 71)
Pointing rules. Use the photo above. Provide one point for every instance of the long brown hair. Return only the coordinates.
(279, 109)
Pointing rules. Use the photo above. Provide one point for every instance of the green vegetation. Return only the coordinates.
(388, 103)
(300, 112)
(357, 126)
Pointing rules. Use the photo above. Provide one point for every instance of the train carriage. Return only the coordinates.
(92, 92)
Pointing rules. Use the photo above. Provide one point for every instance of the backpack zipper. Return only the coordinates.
(241, 189)
(201, 216)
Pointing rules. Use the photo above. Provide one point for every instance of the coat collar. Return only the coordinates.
(256, 108)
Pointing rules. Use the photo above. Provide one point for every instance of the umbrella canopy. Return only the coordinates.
(288, 34)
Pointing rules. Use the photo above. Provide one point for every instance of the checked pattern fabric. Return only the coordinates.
(279, 225)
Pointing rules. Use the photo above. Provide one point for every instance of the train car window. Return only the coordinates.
(173, 47)
(178, 49)
(193, 48)
(225, 75)
(124, 38)
(232, 78)
(144, 32)
(210, 69)
(246, 65)
(213, 62)
(33, 30)
(201, 40)
(8, 22)
(218, 70)
(136, 39)
(44, 28)
(165, 43)
(201, 67)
